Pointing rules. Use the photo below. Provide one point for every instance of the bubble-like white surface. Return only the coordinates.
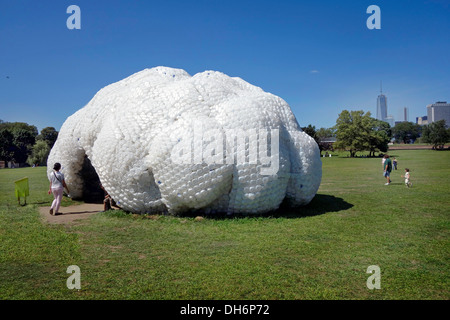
(161, 140)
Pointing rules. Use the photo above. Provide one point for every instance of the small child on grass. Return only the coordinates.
(407, 177)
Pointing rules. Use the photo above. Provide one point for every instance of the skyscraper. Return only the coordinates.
(381, 105)
(439, 111)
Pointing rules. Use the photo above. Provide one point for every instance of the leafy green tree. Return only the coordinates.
(353, 130)
(6, 145)
(49, 135)
(436, 134)
(406, 131)
(322, 134)
(39, 153)
(379, 137)
(23, 143)
(15, 126)
(325, 133)
(24, 137)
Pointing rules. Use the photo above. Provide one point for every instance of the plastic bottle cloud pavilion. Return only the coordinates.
(164, 141)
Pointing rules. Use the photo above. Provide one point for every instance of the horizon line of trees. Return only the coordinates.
(21, 143)
(356, 131)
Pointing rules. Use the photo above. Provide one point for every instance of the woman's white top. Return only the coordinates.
(57, 178)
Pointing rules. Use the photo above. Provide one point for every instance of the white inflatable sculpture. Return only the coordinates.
(163, 141)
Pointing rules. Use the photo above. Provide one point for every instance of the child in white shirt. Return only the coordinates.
(408, 182)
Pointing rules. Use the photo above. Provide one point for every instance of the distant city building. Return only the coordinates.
(422, 120)
(405, 114)
(390, 119)
(439, 111)
(329, 140)
(382, 105)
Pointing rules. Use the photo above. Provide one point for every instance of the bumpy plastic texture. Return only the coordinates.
(164, 141)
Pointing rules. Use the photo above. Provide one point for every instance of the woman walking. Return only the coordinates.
(57, 185)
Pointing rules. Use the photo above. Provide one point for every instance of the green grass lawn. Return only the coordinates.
(321, 251)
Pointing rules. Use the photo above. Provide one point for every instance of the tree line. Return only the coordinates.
(21, 143)
(356, 131)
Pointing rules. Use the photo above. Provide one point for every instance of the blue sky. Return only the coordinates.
(319, 56)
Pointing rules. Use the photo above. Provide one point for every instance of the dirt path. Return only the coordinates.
(71, 213)
(412, 147)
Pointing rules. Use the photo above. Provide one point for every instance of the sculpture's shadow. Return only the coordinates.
(320, 204)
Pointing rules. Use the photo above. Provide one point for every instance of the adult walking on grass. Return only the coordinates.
(57, 185)
(387, 167)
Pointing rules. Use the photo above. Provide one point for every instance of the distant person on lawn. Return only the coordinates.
(57, 185)
(394, 163)
(387, 167)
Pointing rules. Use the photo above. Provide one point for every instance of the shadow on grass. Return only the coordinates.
(320, 204)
